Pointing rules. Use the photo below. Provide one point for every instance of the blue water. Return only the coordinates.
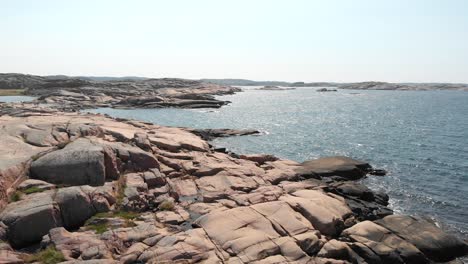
(16, 98)
(419, 137)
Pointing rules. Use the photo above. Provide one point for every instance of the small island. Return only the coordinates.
(326, 90)
(275, 88)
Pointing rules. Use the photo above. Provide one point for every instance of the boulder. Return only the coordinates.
(428, 238)
(79, 163)
(345, 167)
(75, 206)
(30, 219)
(154, 178)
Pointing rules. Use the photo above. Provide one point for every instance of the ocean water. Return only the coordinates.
(419, 137)
(15, 98)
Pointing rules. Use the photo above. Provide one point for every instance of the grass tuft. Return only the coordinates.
(50, 255)
(166, 206)
(16, 196)
(99, 228)
(99, 224)
(33, 189)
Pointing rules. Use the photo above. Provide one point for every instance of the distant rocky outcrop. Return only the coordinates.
(327, 90)
(275, 88)
(405, 86)
(101, 190)
(358, 85)
(72, 94)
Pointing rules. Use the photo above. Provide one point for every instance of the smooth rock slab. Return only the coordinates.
(431, 240)
(345, 167)
(389, 247)
(326, 213)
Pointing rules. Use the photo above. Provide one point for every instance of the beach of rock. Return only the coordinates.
(102, 190)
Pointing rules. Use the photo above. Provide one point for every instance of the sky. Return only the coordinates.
(287, 40)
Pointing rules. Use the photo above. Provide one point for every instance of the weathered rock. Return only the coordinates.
(429, 239)
(75, 206)
(389, 247)
(154, 178)
(79, 163)
(79, 245)
(326, 213)
(335, 249)
(241, 232)
(36, 184)
(341, 166)
(210, 134)
(28, 220)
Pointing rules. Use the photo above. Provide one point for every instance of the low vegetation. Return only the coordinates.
(166, 206)
(33, 189)
(50, 255)
(100, 224)
(16, 196)
(9, 92)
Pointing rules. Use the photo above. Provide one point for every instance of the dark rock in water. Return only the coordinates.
(222, 150)
(330, 166)
(378, 172)
(433, 242)
(275, 88)
(326, 90)
(210, 134)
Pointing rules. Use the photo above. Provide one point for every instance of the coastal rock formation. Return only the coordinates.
(275, 88)
(164, 195)
(72, 94)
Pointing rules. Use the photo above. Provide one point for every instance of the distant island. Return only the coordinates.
(368, 85)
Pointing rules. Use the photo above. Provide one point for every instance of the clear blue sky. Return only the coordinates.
(292, 40)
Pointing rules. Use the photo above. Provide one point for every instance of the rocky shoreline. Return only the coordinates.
(73, 94)
(86, 188)
(94, 189)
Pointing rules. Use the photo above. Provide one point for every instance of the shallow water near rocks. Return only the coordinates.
(15, 98)
(419, 137)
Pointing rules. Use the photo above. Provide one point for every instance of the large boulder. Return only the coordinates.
(431, 240)
(81, 162)
(345, 167)
(30, 219)
(75, 206)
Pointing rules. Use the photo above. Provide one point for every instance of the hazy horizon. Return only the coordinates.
(311, 41)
